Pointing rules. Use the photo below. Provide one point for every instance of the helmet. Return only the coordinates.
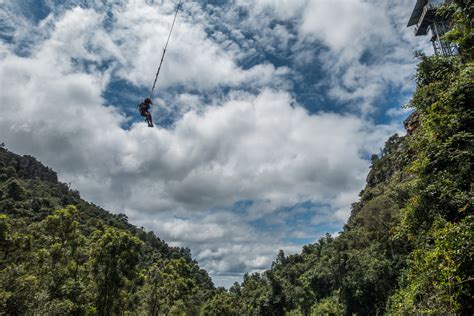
(147, 101)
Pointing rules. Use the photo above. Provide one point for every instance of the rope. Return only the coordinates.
(164, 50)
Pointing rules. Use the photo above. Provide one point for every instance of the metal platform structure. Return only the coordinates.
(426, 21)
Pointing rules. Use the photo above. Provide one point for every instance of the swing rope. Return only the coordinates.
(164, 50)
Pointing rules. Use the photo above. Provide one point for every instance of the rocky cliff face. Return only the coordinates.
(412, 123)
(27, 167)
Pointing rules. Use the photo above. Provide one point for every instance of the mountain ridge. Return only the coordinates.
(38, 214)
(406, 248)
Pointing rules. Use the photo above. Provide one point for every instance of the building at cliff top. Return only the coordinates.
(428, 21)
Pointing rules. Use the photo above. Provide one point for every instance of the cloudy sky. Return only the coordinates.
(267, 112)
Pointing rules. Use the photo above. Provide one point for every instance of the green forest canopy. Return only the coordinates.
(406, 249)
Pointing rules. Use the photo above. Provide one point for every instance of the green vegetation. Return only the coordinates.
(407, 248)
(59, 259)
(462, 34)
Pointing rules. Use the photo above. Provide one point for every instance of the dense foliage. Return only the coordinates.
(461, 12)
(60, 255)
(407, 248)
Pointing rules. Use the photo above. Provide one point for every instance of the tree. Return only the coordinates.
(439, 278)
(116, 255)
(222, 303)
(62, 257)
(18, 284)
(170, 285)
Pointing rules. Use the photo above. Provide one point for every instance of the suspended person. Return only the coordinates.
(144, 109)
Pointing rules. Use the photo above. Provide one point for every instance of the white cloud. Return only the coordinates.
(193, 59)
(346, 26)
(222, 242)
(350, 28)
(250, 147)
(367, 47)
(399, 112)
(258, 145)
(279, 9)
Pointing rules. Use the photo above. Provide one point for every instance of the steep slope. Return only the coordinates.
(355, 272)
(407, 247)
(62, 255)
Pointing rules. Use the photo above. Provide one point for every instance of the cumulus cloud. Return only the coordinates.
(279, 9)
(250, 148)
(346, 26)
(369, 49)
(297, 171)
(361, 48)
(194, 61)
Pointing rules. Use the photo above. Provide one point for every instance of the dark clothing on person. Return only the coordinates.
(144, 109)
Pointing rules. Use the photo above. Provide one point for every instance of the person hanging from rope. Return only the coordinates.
(144, 109)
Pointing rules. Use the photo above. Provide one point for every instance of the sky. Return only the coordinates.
(266, 112)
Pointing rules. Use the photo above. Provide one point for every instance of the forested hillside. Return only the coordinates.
(60, 255)
(407, 248)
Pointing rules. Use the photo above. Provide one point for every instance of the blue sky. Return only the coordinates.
(267, 112)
